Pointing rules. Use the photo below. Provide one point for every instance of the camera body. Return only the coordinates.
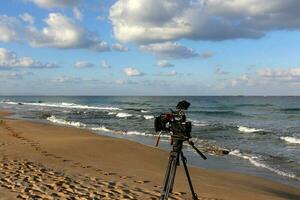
(174, 122)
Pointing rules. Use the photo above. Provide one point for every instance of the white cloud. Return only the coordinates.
(15, 75)
(105, 64)
(119, 47)
(244, 79)
(9, 60)
(169, 50)
(130, 71)
(83, 64)
(148, 21)
(55, 3)
(9, 29)
(26, 17)
(164, 63)
(77, 13)
(62, 32)
(66, 79)
(277, 73)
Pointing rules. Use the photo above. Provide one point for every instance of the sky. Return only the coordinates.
(150, 47)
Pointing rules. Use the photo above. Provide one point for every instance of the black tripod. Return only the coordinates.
(174, 156)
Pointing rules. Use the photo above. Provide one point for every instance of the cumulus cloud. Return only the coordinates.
(83, 64)
(105, 64)
(164, 63)
(130, 71)
(9, 28)
(169, 50)
(26, 17)
(10, 60)
(62, 32)
(56, 3)
(148, 21)
(119, 47)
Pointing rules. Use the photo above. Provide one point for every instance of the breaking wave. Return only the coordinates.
(148, 116)
(198, 123)
(123, 115)
(60, 121)
(245, 129)
(291, 140)
(256, 162)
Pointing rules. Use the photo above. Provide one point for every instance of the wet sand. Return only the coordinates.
(42, 161)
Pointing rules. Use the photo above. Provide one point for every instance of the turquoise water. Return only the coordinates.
(261, 133)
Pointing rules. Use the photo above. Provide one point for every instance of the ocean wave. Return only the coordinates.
(63, 105)
(256, 162)
(60, 121)
(123, 115)
(291, 140)
(111, 113)
(219, 113)
(290, 109)
(122, 132)
(148, 116)
(102, 128)
(253, 105)
(145, 111)
(249, 130)
(198, 123)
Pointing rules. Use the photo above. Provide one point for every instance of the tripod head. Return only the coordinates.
(175, 124)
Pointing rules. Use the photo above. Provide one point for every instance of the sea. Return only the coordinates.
(260, 135)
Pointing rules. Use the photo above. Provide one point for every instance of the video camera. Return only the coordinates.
(175, 122)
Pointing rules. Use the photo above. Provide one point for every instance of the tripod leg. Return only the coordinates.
(174, 173)
(195, 197)
(170, 172)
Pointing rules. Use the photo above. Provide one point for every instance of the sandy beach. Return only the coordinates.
(42, 161)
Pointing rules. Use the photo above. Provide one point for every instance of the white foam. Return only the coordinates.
(248, 130)
(142, 134)
(56, 120)
(102, 128)
(112, 113)
(136, 133)
(148, 116)
(65, 105)
(255, 161)
(291, 140)
(199, 123)
(145, 111)
(123, 115)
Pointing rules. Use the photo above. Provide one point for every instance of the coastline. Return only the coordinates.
(115, 168)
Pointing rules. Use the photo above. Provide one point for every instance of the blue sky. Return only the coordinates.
(149, 47)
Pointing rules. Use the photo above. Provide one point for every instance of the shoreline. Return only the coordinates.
(123, 168)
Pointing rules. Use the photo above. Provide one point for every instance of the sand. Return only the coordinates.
(42, 161)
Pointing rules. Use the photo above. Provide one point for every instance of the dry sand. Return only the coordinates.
(42, 161)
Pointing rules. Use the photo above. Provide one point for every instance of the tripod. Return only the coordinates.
(174, 160)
